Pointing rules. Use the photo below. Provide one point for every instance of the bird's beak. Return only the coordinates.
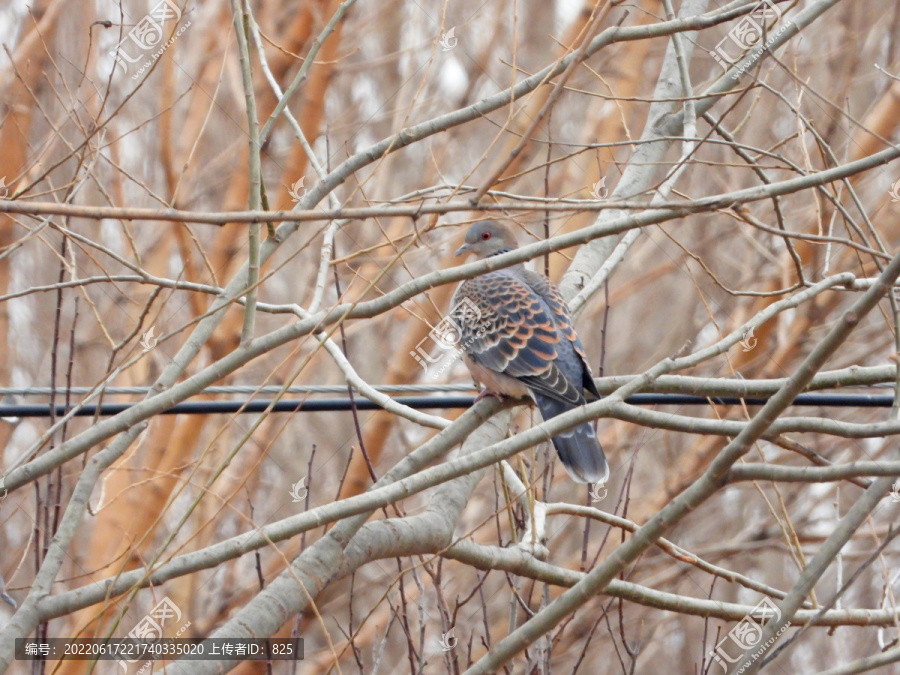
(465, 248)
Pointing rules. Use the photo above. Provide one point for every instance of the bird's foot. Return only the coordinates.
(485, 393)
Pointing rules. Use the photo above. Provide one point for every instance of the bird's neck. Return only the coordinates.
(512, 268)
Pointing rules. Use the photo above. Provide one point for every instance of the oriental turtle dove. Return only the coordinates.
(517, 338)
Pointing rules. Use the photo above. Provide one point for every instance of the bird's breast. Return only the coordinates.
(494, 381)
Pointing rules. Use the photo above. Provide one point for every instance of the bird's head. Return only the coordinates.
(486, 238)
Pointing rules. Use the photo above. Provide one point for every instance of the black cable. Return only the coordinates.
(431, 402)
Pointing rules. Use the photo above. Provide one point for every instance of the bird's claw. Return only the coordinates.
(485, 393)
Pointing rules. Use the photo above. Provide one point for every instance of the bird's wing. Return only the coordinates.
(507, 327)
(559, 310)
(550, 294)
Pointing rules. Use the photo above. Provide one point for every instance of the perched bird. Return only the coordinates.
(517, 338)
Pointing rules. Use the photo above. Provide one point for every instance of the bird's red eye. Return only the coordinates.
(485, 236)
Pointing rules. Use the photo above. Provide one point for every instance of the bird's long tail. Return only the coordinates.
(578, 448)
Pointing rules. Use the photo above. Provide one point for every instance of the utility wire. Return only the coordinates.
(272, 389)
(10, 412)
